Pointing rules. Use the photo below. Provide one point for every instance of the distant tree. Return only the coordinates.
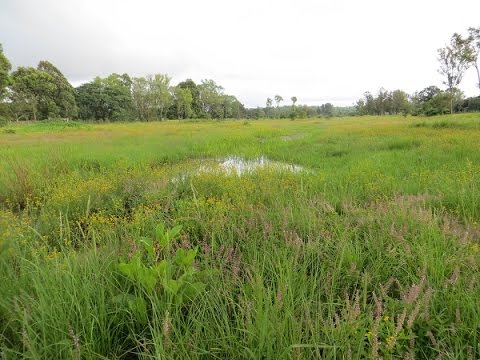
(370, 107)
(184, 101)
(360, 107)
(142, 99)
(232, 107)
(428, 93)
(433, 101)
(268, 106)
(293, 111)
(400, 103)
(211, 99)
(32, 90)
(380, 102)
(278, 100)
(294, 100)
(105, 98)
(160, 94)
(470, 105)
(5, 68)
(64, 93)
(474, 54)
(41, 93)
(328, 109)
(195, 91)
(454, 61)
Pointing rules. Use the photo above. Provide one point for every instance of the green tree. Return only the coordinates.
(432, 101)
(400, 103)
(5, 68)
(211, 99)
(454, 61)
(32, 93)
(105, 99)
(293, 112)
(474, 53)
(294, 100)
(64, 93)
(151, 96)
(141, 98)
(41, 93)
(278, 100)
(327, 109)
(195, 91)
(268, 107)
(160, 94)
(184, 101)
(232, 108)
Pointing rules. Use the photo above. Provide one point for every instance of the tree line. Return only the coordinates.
(43, 92)
(461, 53)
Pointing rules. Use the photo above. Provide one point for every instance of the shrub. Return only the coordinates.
(3, 121)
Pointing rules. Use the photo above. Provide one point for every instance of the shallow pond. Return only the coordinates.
(238, 166)
(235, 165)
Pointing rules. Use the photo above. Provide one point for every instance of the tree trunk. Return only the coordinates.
(451, 102)
(478, 73)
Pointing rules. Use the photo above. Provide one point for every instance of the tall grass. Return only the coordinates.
(372, 252)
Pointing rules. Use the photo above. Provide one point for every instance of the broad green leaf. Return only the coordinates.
(138, 306)
(160, 234)
(193, 290)
(147, 278)
(173, 233)
(171, 285)
(184, 257)
(162, 269)
(148, 245)
(127, 269)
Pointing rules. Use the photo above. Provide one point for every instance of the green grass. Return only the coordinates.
(372, 252)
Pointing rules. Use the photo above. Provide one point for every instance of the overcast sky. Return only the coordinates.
(318, 51)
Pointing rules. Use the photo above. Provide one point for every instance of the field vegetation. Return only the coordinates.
(114, 245)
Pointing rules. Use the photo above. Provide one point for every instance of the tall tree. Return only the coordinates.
(294, 100)
(105, 98)
(454, 61)
(184, 100)
(293, 112)
(32, 93)
(5, 68)
(278, 100)
(64, 93)
(400, 102)
(151, 96)
(211, 99)
(141, 98)
(474, 42)
(196, 103)
(161, 96)
(268, 106)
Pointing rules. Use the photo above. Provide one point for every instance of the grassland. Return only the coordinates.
(112, 246)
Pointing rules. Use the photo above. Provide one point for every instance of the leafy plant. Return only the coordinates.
(154, 272)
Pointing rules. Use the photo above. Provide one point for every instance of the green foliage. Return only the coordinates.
(64, 96)
(41, 93)
(3, 121)
(151, 96)
(152, 269)
(386, 102)
(5, 68)
(105, 99)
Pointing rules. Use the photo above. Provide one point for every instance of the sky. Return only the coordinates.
(319, 51)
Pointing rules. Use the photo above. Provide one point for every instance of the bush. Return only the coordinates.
(3, 121)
